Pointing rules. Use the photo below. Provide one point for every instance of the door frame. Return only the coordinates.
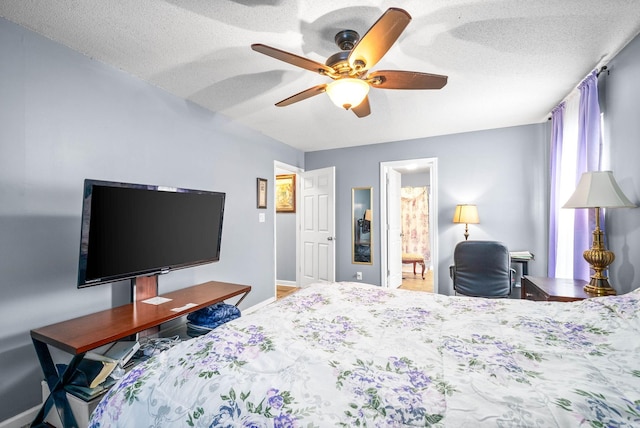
(403, 166)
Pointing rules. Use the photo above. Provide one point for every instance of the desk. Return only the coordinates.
(80, 335)
(523, 258)
(362, 252)
(553, 289)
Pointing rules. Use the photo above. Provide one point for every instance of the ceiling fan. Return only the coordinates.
(349, 68)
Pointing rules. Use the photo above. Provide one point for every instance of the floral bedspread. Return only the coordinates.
(350, 354)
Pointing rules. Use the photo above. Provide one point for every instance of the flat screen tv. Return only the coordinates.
(130, 230)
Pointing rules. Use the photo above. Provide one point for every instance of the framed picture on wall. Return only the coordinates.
(286, 193)
(262, 193)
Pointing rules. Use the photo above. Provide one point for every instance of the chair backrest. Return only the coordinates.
(482, 269)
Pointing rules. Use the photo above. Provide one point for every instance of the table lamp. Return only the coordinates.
(467, 214)
(598, 189)
(366, 221)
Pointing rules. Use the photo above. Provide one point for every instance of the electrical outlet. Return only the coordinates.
(359, 276)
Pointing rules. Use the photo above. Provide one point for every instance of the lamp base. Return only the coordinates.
(599, 258)
(599, 287)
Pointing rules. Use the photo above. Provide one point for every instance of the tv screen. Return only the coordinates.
(131, 230)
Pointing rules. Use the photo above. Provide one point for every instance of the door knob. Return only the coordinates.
(330, 238)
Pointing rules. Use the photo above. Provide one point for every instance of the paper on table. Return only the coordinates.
(187, 306)
(521, 254)
(156, 300)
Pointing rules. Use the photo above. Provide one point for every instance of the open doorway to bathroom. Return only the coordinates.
(408, 208)
(415, 194)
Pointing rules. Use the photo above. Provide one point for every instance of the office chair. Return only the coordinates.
(482, 269)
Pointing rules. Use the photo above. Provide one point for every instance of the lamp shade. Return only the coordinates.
(598, 189)
(347, 92)
(467, 214)
(368, 215)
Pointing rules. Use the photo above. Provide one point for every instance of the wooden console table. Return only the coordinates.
(553, 289)
(79, 335)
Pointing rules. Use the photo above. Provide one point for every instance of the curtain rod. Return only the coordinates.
(602, 70)
(598, 73)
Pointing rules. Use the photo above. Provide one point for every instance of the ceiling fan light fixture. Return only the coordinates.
(350, 68)
(347, 92)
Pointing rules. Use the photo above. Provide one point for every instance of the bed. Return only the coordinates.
(351, 354)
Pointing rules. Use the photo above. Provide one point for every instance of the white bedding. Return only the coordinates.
(349, 354)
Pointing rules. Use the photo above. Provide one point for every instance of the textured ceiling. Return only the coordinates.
(509, 62)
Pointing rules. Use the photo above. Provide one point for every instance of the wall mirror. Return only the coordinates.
(362, 225)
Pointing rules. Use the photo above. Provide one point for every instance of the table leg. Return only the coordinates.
(57, 395)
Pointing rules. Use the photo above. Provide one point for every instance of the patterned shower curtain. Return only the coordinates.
(415, 221)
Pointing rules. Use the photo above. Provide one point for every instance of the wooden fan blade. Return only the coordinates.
(396, 79)
(298, 61)
(363, 109)
(307, 93)
(380, 37)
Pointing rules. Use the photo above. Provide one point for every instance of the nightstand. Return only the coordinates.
(553, 289)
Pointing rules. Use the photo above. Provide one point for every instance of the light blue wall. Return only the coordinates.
(65, 117)
(620, 103)
(503, 171)
(415, 179)
(286, 247)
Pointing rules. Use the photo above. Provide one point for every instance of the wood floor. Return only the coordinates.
(409, 282)
(284, 291)
(416, 283)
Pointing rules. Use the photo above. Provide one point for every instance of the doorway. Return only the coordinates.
(390, 202)
(286, 235)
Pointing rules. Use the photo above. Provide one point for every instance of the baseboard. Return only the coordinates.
(21, 420)
(286, 283)
(258, 306)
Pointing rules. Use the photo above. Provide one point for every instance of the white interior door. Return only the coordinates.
(394, 229)
(317, 237)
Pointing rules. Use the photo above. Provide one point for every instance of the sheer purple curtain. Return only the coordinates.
(554, 204)
(588, 160)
